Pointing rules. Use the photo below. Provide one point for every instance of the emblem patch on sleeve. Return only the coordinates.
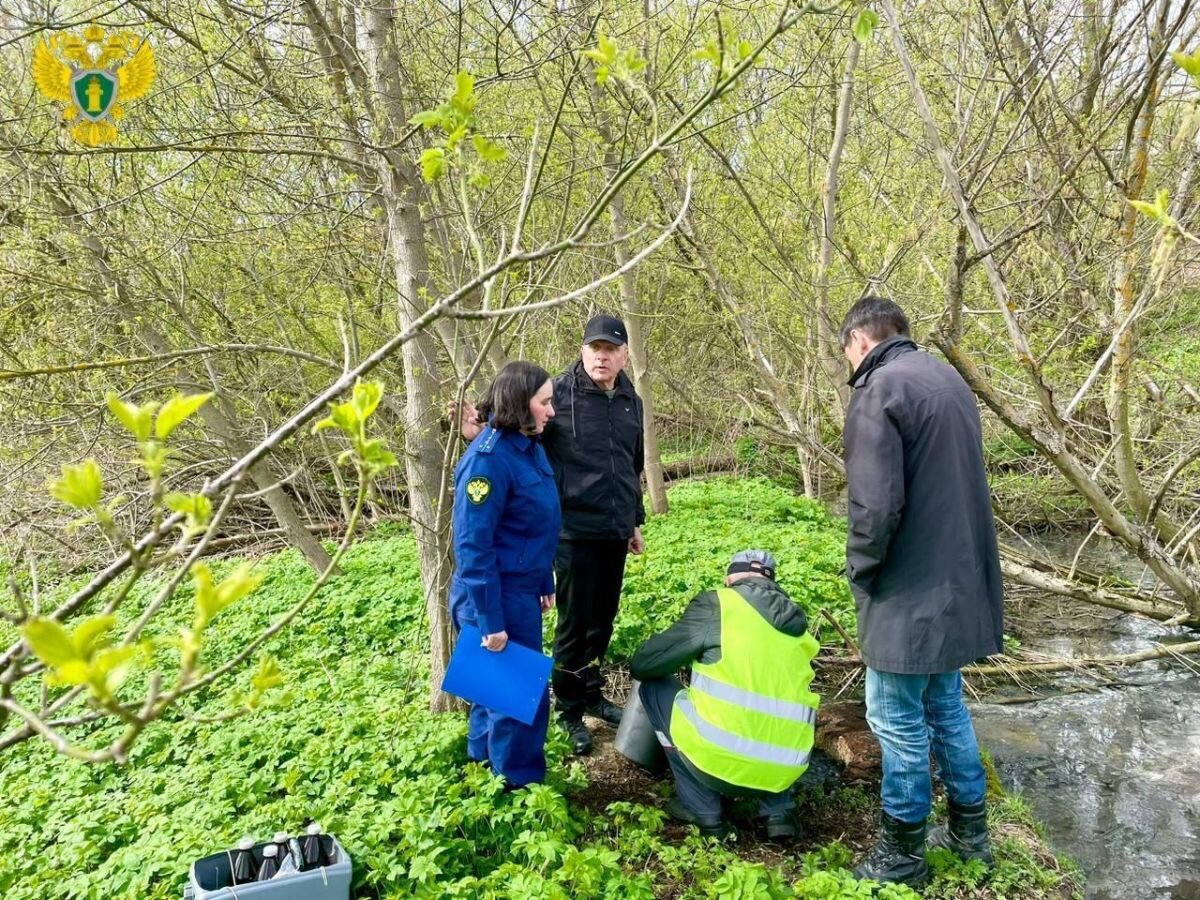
(478, 489)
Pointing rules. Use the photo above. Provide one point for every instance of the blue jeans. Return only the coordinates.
(910, 715)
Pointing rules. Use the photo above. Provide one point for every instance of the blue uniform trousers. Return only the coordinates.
(515, 750)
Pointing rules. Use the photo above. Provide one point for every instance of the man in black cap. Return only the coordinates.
(595, 446)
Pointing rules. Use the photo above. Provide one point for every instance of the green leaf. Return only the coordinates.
(89, 635)
(176, 411)
(366, 397)
(711, 52)
(864, 25)
(1146, 209)
(607, 47)
(196, 507)
(1189, 63)
(81, 657)
(377, 457)
(455, 137)
(49, 642)
(601, 74)
(488, 151)
(268, 676)
(428, 118)
(79, 486)
(1158, 210)
(632, 61)
(463, 98)
(110, 668)
(137, 419)
(745, 48)
(211, 599)
(342, 416)
(433, 164)
(154, 458)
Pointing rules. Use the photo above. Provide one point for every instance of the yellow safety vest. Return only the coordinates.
(749, 718)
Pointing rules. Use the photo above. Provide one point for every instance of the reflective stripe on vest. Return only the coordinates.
(783, 709)
(768, 753)
(749, 718)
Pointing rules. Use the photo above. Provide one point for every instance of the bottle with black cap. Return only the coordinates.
(270, 863)
(245, 870)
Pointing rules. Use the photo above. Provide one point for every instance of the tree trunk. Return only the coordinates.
(401, 192)
(639, 362)
(1121, 367)
(829, 352)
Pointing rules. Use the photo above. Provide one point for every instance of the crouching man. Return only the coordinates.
(745, 726)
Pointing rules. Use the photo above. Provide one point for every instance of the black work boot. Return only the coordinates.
(782, 826)
(606, 712)
(581, 738)
(898, 856)
(709, 826)
(967, 834)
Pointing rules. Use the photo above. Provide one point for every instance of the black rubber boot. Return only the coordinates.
(782, 826)
(967, 834)
(898, 857)
(709, 827)
(581, 738)
(606, 712)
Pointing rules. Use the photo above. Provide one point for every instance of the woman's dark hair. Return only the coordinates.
(506, 402)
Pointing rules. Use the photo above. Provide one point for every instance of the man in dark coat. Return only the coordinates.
(924, 569)
(595, 446)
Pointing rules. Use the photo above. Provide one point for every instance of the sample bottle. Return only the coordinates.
(270, 863)
(245, 870)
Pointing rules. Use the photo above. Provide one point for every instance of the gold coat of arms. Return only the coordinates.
(94, 73)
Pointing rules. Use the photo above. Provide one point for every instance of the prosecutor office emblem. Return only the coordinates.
(89, 73)
(478, 489)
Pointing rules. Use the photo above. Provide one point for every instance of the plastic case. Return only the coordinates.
(326, 883)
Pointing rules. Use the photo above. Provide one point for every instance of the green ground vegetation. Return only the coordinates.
(349, 742)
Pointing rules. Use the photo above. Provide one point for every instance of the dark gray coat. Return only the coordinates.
(921, 555)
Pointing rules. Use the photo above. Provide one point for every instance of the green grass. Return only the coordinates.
(351, 744)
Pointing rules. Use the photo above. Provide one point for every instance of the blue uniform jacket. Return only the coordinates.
(506, 522)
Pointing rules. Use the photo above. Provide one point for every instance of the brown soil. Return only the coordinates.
(827, 812)
(611, 778)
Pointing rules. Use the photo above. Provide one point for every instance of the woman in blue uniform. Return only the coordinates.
(506, 521)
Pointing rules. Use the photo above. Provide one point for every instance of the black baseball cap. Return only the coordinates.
(605, 328)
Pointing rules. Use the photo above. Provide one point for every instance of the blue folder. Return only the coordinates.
(511, 681)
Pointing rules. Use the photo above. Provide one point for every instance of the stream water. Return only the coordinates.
(1113, 772)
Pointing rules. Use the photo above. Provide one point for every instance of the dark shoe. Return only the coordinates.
(898, 857)
(967, 834)
(606, 712)
(708, 826)
(782, 826)
(581, 738)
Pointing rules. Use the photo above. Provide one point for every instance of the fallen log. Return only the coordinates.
(1159, 651)
(1046, 577)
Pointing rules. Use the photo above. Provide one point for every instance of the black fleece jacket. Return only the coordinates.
(595, 446)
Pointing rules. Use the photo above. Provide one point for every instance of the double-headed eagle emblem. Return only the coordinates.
(90, 72)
